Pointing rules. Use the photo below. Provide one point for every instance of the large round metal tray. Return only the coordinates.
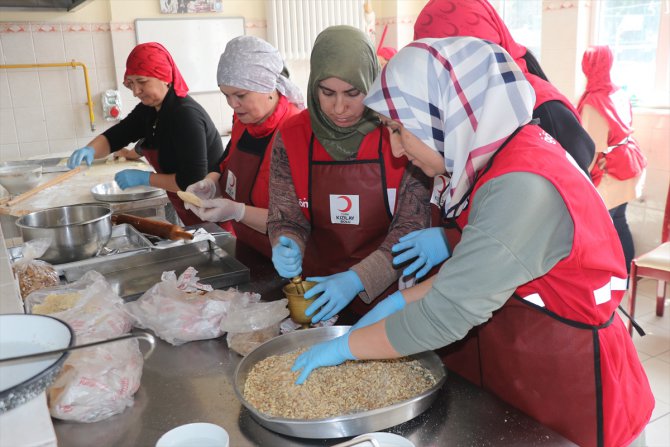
(338, 426)
(111, 192)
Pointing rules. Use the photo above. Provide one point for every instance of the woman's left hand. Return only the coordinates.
(132, 177)
(336, 292)
(330, 353)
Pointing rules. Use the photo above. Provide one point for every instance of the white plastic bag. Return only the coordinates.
(251, 322)
(97, 383)
(89, 305)
(180, 310)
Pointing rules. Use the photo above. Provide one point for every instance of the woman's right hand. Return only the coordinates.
(86, 153)
(287, 258)
(204, 189)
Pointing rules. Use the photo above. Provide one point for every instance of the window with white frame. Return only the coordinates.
(524, 21)
(633, 29)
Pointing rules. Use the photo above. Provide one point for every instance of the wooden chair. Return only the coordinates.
(654, 264)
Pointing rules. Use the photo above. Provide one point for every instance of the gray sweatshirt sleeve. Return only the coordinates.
(518, 229)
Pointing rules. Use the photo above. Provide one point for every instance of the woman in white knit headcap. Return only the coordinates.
(251, 75)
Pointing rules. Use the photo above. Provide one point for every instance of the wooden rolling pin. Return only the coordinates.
(154, 227)
(60, 178)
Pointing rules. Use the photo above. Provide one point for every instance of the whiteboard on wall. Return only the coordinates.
(195, 44)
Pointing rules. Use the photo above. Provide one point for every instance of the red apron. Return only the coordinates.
(238, 178)
(186, 216)
(350, 204)
(557, 350)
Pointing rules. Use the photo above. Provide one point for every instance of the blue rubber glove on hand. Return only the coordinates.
(428, 246)
(86, 153)
(338, 291)
(330, 353)
(287, 258)
(132, 177)
(389, 305)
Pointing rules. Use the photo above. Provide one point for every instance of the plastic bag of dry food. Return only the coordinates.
(252, 322)
(180, 310)
(32, 273)
(89, 305)
(97, 383)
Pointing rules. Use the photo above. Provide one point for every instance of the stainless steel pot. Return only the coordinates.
(76, 232)
(337, 426)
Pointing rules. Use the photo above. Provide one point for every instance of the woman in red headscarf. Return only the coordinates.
(173, 132)
(384, 54)
(478, 18)
(618, 168)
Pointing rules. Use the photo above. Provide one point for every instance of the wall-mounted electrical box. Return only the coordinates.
(111, 105)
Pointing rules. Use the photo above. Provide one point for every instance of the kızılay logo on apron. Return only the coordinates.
(344, 209)
(231, 182)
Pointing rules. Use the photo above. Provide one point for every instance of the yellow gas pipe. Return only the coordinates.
(72, 64)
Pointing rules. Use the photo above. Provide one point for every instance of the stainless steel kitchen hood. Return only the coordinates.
(43, 5)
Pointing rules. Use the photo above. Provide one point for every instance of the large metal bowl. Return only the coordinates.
(338, 426)
(77, 231)
(21, 334)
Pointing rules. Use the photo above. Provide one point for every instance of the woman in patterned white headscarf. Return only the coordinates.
(251, 76)
(538, 274)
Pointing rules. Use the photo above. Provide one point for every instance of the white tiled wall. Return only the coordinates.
(45, 110)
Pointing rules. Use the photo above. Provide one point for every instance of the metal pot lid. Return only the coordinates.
(111, 192)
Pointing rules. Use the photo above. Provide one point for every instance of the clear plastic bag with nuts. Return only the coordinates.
(31, 273)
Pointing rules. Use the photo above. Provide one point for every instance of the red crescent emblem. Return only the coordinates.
(444, 184)
(348, 201)
(232, 182)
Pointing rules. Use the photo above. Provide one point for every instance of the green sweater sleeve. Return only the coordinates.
(518, 229)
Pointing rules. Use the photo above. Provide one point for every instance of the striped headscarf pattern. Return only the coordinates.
(461, 96)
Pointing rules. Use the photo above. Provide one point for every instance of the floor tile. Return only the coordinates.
(656, 434)
(654, 343)
(661, 409)
(658, 373)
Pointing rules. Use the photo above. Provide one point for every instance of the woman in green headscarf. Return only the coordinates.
(339, 200)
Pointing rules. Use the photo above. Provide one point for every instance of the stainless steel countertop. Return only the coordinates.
(193, 383)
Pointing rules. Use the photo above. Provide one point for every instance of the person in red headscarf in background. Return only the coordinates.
(171, 130)
(384, 54)
(618, 168)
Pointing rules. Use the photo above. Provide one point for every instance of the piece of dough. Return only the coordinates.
(191, 198)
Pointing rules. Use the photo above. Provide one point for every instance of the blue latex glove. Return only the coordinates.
(389, 305)
(330, 353)
(86, 153)
(338, 291)
(132, 177)
(428, 246)
(287, 258)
